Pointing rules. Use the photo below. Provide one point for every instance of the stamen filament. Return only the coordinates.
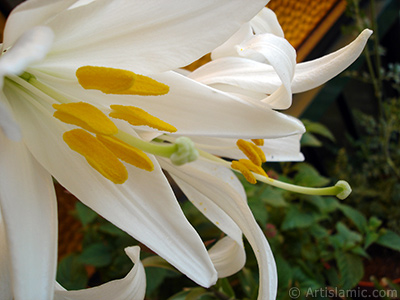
(341, 189)
(152, 148)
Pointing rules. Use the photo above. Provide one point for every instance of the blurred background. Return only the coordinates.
(353, 127)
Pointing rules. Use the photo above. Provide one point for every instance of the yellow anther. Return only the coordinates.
(127, 153)
(86, 116)
(146, 86)
(236, 165)
(258, 142)
(255, 154)
(137, 116)
(252, 167)
(97, 155)
(107, 80)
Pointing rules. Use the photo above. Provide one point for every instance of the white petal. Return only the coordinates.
(228, 254)
(7, 122)
(32, 46)
(193, 108)
(281, 56)
(28, 205)
(5, 267)
(311, 74)
(231, 201)
(131, 287)
(30, 14)
(279, 149)
(266, 22)
(145, 36)
(144, 206)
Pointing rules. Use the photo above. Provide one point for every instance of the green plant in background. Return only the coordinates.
(372, 161)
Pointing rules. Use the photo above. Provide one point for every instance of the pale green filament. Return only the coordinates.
(180, 152)
(341, 189)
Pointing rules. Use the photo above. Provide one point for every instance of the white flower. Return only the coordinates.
(45, 44)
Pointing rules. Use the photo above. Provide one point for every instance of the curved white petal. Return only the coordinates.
(32, 46)
(144, 206)
(30, 14)
(193, 108)
(144, 36)
(231, 201)
(311, 74)
(266, 22)
(227, 254)
(131, 287)
(281, 56)
(28, 205)
(5, 267)
(279, 149)
(267, 65)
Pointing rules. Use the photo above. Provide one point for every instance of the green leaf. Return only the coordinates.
(156, 276)
(389, 239)
(158, 262)
(309, 140)
(324, 204)
(259, 211)
(296, 218)
(196, 293)
(318, 128)
(351, 269)
(285, 272)
(345, 238)
(111, 229)
(307, 175)
(71, 274)
(274, 197)
(84, 213)
(226, 288)
(179, 296)
(355, 216)
(97, 255)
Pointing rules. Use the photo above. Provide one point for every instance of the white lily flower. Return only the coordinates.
(259, 65)
(66, 63)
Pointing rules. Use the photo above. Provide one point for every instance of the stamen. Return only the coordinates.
(86, 116)
(107, 80)
(118, 81)
(97, 155)
(252, 167)
(239, 166)
(137, 116)
(127, 153)
(258, 142)
(146, 86)
(255, 154)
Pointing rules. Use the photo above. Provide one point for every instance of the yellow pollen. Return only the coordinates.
(146, 86)
(137, 116)
(255, 154)
(236, 165)
(86, 116)
(107, 80)
(97, 155)
(127, 153)
(258, 142)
